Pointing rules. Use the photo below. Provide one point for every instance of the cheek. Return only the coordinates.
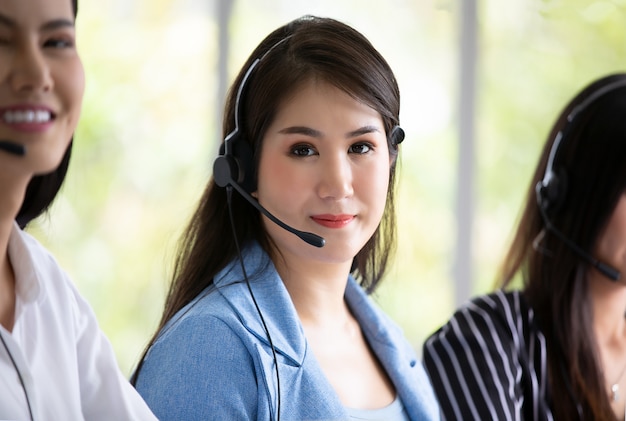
(279, 180)
(71, 89)
(371, 188)
(4, 68)
(612, 240)
(375, 182)
(610, 248)
(78, 87)
(381, 200)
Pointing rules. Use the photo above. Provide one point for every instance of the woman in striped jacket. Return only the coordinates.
(555, 348)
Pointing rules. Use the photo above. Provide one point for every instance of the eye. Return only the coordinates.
(361, 148)
(4, 40)
(60, 42)
(303, 150)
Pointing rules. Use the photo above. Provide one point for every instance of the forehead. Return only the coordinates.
(320, 95)
(26, 13)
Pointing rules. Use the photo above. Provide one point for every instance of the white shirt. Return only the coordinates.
(67, 364)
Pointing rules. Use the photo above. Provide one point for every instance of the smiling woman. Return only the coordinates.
(55, 362)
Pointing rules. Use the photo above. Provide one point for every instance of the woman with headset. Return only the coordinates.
(556, 348)
(55, 362)
(268, 315)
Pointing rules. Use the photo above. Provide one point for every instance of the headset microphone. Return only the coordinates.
(607, 270)
(12, 148)
(222, 174)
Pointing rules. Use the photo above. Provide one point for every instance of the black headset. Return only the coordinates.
(235, 161)
(552, 189)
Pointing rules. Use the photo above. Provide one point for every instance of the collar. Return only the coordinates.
(279, 313)
(278, 310)
(272, 298)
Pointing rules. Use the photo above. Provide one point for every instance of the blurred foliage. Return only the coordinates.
(148, 135)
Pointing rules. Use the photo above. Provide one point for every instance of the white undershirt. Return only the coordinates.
(392, 412)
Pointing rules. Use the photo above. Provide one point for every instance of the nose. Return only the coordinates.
(30, 71)
(336, 177)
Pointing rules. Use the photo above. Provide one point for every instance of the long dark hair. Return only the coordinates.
(310, 48)
(42, 189)
(592, 156)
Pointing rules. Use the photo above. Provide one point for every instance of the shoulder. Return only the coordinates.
(29, 255)
(206, 332)
(199, 322)
(477, 359)
(41, 280)
(197, 360)
(502, 310)
(499, 323)
(497, 320)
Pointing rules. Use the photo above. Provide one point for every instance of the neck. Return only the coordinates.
(609, 324)
(317, 290)
(7, 278)
(7, 294)
(13, 192)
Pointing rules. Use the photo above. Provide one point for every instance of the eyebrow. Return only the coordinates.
(48, 26)
(6, 21)
(307, 131)
(363, 130)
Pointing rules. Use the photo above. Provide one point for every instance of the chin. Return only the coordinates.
(47, 167)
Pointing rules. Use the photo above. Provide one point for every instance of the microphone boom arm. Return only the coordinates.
(308, 237)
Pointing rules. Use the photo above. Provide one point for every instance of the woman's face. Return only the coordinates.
(611, 244)
(324, 168)
(41, 82)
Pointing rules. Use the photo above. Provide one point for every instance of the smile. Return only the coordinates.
(333, 221)
(27, 116)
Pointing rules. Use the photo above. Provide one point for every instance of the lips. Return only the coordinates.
(333, 221)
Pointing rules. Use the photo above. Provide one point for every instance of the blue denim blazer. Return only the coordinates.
(213, 360)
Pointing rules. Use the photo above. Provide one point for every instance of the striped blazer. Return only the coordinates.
(488, 362)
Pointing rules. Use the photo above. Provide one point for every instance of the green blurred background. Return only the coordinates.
(150, 128)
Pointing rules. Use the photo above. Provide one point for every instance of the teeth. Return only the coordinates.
(28, 116)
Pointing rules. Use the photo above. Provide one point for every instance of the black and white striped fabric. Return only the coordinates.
(489, 362)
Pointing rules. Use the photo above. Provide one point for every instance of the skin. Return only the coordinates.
(324, 168)
(40, 70)
(609, 303)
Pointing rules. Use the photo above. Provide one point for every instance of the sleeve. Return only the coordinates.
(199, 370)
(105, 393)
(474, 366)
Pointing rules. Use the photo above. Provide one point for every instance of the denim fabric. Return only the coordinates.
(213, 361)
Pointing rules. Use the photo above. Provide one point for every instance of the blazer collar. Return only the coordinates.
(278, 311)
(287, 334)
(272, 298)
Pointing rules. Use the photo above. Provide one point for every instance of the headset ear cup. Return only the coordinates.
(554, 191)
(245, 162)
(396, 136)
(237, 166)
